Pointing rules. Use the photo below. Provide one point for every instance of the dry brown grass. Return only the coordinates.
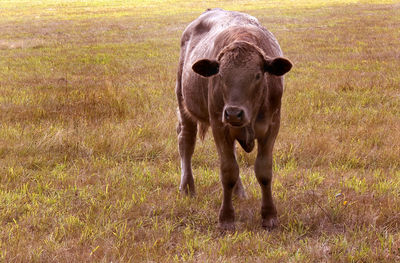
(88, 152)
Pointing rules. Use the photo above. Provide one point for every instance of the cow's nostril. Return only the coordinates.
(240, 114)
(226, 115)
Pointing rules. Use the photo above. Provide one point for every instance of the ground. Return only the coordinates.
(88, 149)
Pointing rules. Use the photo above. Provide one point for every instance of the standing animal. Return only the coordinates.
(230, 78)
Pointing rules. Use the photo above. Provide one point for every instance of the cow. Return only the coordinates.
(230, 78)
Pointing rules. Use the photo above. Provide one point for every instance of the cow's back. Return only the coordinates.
(200, 35)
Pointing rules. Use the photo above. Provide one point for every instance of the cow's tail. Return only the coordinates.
(202, 130)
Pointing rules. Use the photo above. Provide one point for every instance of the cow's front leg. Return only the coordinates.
(263, 171)
(229, 177)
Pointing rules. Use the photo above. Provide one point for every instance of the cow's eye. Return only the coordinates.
(258, 76)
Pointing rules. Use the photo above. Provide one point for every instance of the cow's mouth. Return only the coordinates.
(236, 124)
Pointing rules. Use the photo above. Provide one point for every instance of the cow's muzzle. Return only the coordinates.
(234, 116)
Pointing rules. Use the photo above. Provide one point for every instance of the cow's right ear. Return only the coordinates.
(206, 67)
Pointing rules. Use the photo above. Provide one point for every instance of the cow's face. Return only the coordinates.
(241, 70)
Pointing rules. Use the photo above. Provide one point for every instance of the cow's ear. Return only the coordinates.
(206, 67)
(277, 66)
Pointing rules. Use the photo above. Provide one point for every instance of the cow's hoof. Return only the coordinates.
(270, 222)
(187, 189)
(226, 227)
(187, 192)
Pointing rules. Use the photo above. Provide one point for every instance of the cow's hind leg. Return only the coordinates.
(187, 130)
(238, 190)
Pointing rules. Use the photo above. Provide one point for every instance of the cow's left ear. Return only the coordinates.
(277, 66)
(206, 67)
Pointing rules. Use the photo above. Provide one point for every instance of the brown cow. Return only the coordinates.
(229, 77)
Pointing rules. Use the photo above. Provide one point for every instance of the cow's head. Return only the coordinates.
(241, 67)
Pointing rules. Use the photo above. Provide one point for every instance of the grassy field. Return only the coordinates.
(89, 167)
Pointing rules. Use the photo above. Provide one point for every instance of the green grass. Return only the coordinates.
(89, 167)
